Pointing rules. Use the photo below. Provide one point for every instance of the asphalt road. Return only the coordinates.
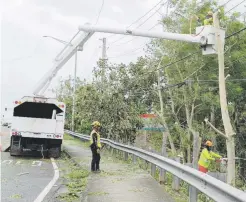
(23, 179)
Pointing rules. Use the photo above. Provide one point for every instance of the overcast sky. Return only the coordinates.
(27, 56)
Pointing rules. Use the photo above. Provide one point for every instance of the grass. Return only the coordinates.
(16, 196)
(74, 178)
(75, 141)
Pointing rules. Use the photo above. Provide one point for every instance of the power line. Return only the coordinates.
(138, 20)
(145, 14)
(172, 63)
(189, 54)
(136, 37)
(128, 52)
(235, 33)
(100, 11)
(235, 6)
(225, 3)
(135, 28)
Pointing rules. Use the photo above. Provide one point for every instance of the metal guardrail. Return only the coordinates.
(213, 188)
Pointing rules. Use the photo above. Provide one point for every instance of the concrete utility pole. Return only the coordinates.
(74, 88)
(104, 48)
(79, 48)
(104, 59)
(229, 133)
(162, 177)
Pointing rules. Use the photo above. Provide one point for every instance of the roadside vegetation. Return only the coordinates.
(74, 179)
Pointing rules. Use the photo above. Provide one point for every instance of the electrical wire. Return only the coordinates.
(135, 37)
(235, 33)
(235, 7)
(225, 3)
(98, 16)
(172, 63)
(138, 20)
(129, 52)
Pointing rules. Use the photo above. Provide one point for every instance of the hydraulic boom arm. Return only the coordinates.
(205, 35)
(61, 59)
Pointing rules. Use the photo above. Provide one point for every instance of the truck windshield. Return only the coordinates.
(36, 110)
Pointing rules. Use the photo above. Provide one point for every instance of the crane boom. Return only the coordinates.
(205, 35)
(68, 51)
(143, 33)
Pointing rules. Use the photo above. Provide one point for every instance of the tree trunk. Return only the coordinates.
(230, 144)
(162, 176)
(173, 149)
(188, 154)
(188, 135)
(196, 149)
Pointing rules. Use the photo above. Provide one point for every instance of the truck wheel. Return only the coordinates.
(54, 152)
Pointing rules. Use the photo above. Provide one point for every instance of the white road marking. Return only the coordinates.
(7, 162)
(46, 190)
(36, 163)
(18, 163)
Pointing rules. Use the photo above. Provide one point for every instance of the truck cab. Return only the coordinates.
(37, 127)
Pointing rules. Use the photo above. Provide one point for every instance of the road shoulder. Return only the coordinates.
(118, 181)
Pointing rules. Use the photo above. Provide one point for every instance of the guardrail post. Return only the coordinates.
(125, 156)
(134, 159)
(192, 190)
(192, 194)
(153, 170)
(162, 176)
(112, 151)
(176, 180)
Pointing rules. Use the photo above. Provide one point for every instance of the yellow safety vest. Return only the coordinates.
(98, 139)
(208, 20)
(206, 157)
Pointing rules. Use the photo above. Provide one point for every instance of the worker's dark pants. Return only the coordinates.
(95, 160)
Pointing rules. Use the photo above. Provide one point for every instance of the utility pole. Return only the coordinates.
(229, 133)
(162, 177)
(104, 59)
(74, 88)
(104, 49)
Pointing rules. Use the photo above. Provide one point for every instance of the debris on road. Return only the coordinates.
(25, 173)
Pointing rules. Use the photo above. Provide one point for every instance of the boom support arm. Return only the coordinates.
(205, 35)
(60, 60)
(143, 33)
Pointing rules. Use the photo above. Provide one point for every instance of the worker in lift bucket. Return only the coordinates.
(95, 146)
(206, 157)
(209, 18)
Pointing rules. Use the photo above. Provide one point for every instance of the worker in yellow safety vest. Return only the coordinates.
(209, 18)
(206, 157)
(95, 146)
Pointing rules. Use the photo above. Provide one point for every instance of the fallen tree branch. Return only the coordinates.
(215, 129)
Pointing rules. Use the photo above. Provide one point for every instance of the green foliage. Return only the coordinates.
(119, 93)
